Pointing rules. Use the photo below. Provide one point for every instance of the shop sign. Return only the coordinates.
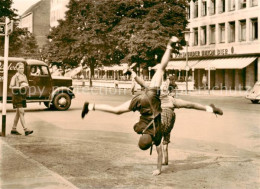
(202, 53)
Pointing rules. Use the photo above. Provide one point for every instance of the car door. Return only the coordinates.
(40, 82)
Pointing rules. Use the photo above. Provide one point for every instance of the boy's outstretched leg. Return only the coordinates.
(123, 108)
(157, 78)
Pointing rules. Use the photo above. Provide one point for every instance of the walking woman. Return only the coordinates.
(19, 86)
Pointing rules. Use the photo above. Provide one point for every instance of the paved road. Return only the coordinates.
(101, 150)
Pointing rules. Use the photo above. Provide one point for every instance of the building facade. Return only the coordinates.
(57, 11)
(37, 20)
(224, 39)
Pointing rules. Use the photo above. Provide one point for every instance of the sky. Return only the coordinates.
(23, 5)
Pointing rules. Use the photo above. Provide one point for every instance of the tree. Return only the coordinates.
(111, 31)
(21, 44)
(146, 27)
(6, 10)
(83, 33)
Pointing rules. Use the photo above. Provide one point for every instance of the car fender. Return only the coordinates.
(62, 90)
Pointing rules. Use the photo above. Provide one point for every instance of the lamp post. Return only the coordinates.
(40, 51)
(193, 74)
(149, 68)
(187, 38)
(141, 72)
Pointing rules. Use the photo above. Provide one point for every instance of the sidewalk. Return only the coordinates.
(20, 171)
(229, 93)
(126, 85)
(226, 93)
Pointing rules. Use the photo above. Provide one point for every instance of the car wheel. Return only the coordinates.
(62, 101)
(254, 101)
(47, 105)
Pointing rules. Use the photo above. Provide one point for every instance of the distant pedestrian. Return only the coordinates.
(19, 85)
(204, 81)
(172, 85)
(133, 86)
(116, 82)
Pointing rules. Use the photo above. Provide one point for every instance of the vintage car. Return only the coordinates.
(55, 92)
(254, 93)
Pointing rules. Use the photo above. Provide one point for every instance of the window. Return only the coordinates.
(44, 70)
(242, 35)
(212, 8)
(254, 30)
(254, 3)
(232, 5)
(222, 7)
(222, 33)
(203, 35)
(35, 71)
(196, 36)
(212, 34)
(196, 11)
(188, 12)
(39, 71)
(204, 8)
(232, 31)
(242, 4)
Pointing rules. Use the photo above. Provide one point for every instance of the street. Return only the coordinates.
(101, 151)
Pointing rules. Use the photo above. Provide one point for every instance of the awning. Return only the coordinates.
(178, 65)
(225, 63)
(115, 67)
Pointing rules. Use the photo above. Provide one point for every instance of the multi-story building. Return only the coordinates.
(225, 39)
(58, 9)
(37, 20)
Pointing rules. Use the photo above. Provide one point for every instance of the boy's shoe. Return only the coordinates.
(28, 132)
(216, 110)
(85, 109)
(14, 132)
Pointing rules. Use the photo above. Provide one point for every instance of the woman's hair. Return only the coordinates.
(19, 64)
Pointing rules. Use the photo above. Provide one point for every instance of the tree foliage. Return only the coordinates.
(21, 44)
(6, 10)
(113, 31)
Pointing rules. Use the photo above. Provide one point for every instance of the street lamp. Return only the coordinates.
(155, 57)
(40, 51)
(187, 39)
(149, 68)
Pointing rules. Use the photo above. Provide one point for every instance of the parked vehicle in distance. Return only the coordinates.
(254, 93)
(55, 92)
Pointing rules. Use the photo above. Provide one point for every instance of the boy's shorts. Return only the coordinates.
(143, 123)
